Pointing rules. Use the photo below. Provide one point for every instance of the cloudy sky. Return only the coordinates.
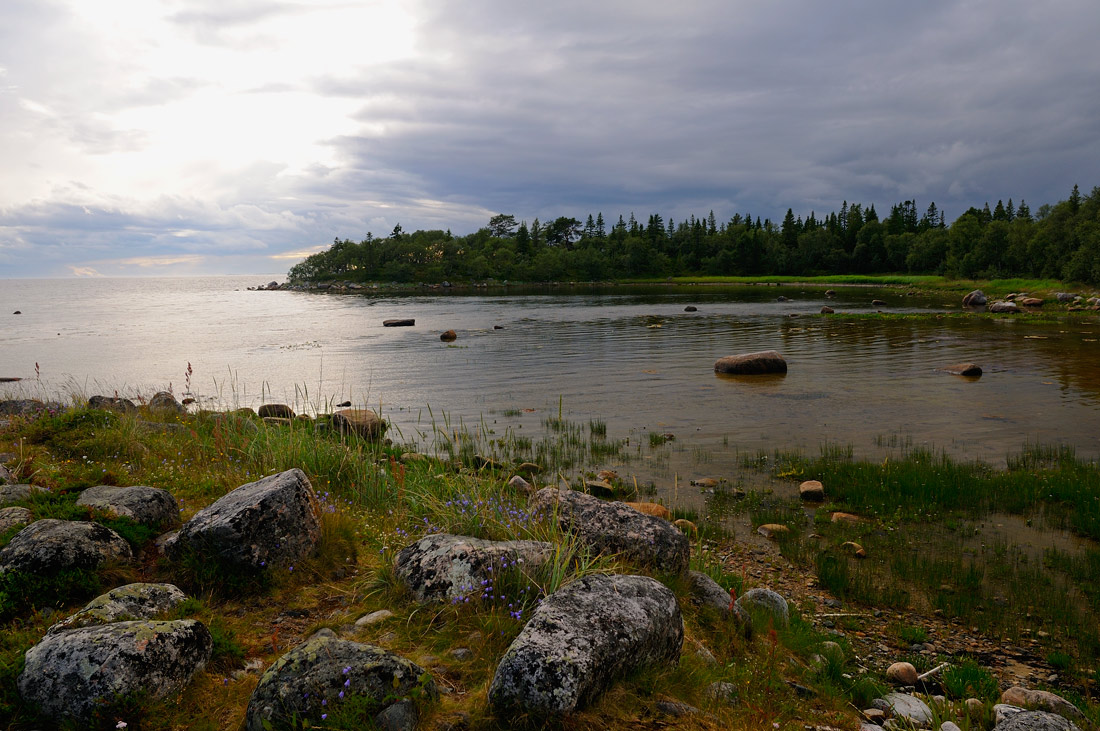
(163, 137)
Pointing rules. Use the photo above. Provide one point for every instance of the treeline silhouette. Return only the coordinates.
(1060, 241)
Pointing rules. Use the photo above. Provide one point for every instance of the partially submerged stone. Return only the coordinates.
(975, 299)
(614, 528)
(324, 671)
(362, 422)
(584, 637)
(400, 322)
(146, 505)
(963, 369)
(50, 545)
(812, 491)
(773, 531)
(271, 522)
(442, 566)
(68, 674)
(762, 362)
(123, 604)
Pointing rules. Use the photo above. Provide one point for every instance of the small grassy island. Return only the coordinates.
(799, 602)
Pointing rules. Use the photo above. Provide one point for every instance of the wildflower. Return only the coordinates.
(121, 724)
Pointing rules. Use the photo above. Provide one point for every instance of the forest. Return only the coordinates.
(1060, 241)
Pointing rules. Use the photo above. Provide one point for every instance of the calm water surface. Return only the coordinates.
(630, 356)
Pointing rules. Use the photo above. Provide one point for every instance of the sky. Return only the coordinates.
(178, 137)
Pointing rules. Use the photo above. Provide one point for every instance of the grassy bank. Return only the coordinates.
(377, 497)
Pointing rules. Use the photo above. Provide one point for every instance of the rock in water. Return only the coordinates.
(582, 638)
(363, 422)
(271, 522)
(975, 299)
(69, 674)
(325, 671)
(146, 505)
(811, 491)
(449, 336)
(826, 310)
(48, 546)
(443, 566)
(612, 527)
(1005, 308)
(409, 322)
(123, 604)
(963, 369)
(763, 362)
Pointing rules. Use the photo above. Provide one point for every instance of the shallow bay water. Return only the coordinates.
(627, 355)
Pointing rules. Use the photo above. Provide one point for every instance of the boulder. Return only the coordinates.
(1035, 721)
(166, 402)
(22, 407)
(18, 493)
(706, 592)
(655, 509)
(11, 517)
(765, 605)
(826, 310)
(443, 566)
(772, 531)
(878, 303)
(830, 293)
(811, 491)
(976, 298)
(519, 484)
(69, 674)
(612, 527)
(325, 671)
(963, 369)
(50, 545)
(449, 336)
(408, 322)
(839, 517)
(746, 364)
(276, 411)
(581, 639)
(691, 308)
(1065, 296)
(271, 522)
(1004, 308)
(146, 505)
(1030, 302)
(363, 422)
(901, 673)
(124, 604)
(1042, 700)
(112, 403)
(909, 707)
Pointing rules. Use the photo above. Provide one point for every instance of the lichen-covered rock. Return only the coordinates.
(112, 403)
(752, 364)
(18, 493)
(50, 545)
(164, 401)
(11, 517)
(976, 298)
(443, 566)
(325, 671)
(1042, 700)
(582, 638)
(124, 604)
(363, 422)
(767, 604)
(263, 524)
(612, 527)
(910, 708)
(1035, 721)
(146, 505)
(68, 674)
(706, 592)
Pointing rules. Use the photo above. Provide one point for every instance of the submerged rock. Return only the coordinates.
(812, 491)
(584, 637)
(449, 336)
(760, 363)
(407, 322)
(146, 505)
(443, 566)
(50, 545)
(963, 369)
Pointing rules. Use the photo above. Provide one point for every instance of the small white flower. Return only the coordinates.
(121, 724)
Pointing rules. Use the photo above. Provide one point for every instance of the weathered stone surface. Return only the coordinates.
(1030, 302)
(612, 527)
(519, 484)
(839, 517)
(765, 361)
(766, 605)
(443, 566)
(1004, 307)
(21, 406)
(1035, 721)
(949, 726)
(706, 592)
(406, 322)
(448, 336)
(655, 509)
(276, 411)
(976, 298)
(363, 422)
(267, 523)
(68, 673)
(323, 672)
(1003, 711)
(145, 505)
(112, 403)
(6, 476)
(51, 545)
(901, 673)
(124, 604)
(17, 493)
(963, 369)
(909, 707)
(1042, 700)
(1065, 296)
(11, 517)
(772, 531)
(811, 491)
(164, 401)
(582, 638)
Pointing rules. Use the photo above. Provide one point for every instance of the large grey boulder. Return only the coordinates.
(752, 364)
(1035, 721)
(50, 545)
(166, 402)
(444, 566)
(765, 605)
(910, 708)
(68, 674)
(325, 671)
(146, 505)
(1042, 700)
(976, 298)
(271, 522)
(706, 592)
(123, 604)
(614, 527)
(18, 493)
(582, 638)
